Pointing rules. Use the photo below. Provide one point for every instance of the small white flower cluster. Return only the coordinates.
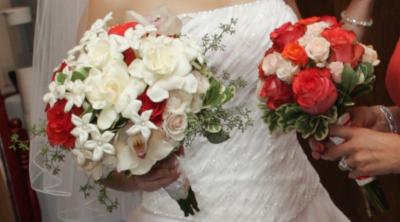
(98, 79)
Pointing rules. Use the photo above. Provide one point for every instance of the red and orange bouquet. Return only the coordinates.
(311, 74)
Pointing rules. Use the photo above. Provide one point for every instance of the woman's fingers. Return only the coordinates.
(358, 116)
(343, 132)
(338, 151)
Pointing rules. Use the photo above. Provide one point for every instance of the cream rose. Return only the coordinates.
(336, 69)
(370, 55)
(179, 102)
(165, 56)
(104, 88)
(100, 52)
(318, 49)
(175, 125)
(271, 63)
(286, 71)
(313, 30)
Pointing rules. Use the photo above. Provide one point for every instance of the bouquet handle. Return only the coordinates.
(182, 192)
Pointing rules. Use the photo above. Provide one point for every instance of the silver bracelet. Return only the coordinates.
(354, 21)
(390, 120)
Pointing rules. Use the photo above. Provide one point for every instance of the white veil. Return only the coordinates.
(55, 33)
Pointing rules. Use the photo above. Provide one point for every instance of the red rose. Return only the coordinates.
(309, 20)
(158, 108)
(314, 90)
(294, 52)
(314, 19)
(347, 53)
(59, 69)
(330, 19)
(59, 125)
(339, 36)
(129, 56)
(276, 91)
(122, 28)
(285, 34)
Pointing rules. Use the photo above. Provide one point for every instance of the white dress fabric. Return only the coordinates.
(254, 176)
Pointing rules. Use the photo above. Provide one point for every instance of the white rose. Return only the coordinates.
(336, 69)
(179, 101)
(370, 55)
(313, 30)
(100, 52)
(271, 63)
(104, 87)
(103, 90)
(286, 71)
(318, 49)
(202, 82)
(175, 125)
(165, 56)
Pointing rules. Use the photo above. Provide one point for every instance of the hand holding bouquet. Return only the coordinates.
(312, 73)
(129, 96)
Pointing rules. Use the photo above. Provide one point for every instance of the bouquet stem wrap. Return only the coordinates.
(182, 192)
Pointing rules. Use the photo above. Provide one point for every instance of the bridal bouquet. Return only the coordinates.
(311, 74)
(129, 96)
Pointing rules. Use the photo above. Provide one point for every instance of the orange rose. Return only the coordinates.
(294, 52)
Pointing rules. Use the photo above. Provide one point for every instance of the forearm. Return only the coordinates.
(361, 10)
(118, 181)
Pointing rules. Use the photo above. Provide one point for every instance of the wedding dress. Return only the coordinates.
(254, 176)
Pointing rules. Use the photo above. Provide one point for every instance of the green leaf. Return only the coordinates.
(368, 70)
(322, 130)
(270, 118)
(61, 77)
(349, 79)
(229, 93)
(306, 125)
(331, 116)
(81, 74)
(361, 90)
(213, 93)
(217, 138)
(214, 127)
